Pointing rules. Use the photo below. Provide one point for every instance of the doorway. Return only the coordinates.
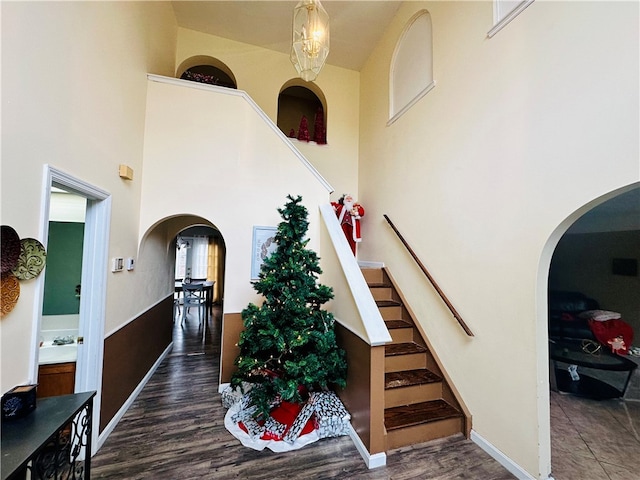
(93, 277)
(583, 258)
(59, 326)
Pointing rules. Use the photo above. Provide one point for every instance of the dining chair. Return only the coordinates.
(192, 296)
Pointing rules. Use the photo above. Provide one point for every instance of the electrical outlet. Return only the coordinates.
(130, 263)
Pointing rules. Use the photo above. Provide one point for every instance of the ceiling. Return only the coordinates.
(355, 26)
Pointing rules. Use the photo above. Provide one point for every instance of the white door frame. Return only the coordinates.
(95, 252)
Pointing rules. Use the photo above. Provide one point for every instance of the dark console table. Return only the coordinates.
(601, 375)
(51, 441)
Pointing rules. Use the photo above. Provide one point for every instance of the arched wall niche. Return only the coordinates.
(411, 73)
(206, 69)
(296, 99)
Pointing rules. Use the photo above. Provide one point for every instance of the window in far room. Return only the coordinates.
(504, 11)
(411, 75)
(192, 257)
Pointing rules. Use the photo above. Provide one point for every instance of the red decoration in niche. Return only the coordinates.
(303, 131)
(319, 133)
(292, 133)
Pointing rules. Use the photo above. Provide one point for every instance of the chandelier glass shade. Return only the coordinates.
(310, 46)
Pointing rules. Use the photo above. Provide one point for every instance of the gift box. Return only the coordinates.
(245, 409)
(273, 429)
(18, 402)
(231, 396)
(254, 429)
(299, 423)
(244, 413)
(331, 419)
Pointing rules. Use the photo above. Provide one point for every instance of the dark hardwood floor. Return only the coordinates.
(175, 430)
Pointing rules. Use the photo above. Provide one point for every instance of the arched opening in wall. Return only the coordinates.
(411, 74)
(209, 70)
(593, 316)
(302, 112)
(193, 247)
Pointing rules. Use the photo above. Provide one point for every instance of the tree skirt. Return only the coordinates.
(282, 414)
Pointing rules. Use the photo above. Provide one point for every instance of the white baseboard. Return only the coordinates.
(373, 461)
(118, 416)
(501, 458)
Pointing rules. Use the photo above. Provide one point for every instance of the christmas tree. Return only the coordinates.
(288, 347)
(303, 130)
(319, 133)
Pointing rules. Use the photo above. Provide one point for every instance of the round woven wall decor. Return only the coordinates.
(9, 293)
(10, 246)
(31, 260)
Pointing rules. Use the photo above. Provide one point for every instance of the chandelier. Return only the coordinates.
(310, 45)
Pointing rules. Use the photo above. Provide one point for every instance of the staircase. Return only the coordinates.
(419, 404)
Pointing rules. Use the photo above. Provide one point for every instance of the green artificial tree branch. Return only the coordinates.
(288, 346)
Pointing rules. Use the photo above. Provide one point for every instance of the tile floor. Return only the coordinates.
(594, 439)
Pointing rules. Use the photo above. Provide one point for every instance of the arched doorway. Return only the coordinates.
(592, 264)
(165, 234)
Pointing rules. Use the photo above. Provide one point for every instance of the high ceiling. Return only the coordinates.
(356, 26)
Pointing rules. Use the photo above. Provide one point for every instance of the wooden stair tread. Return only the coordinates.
(393, 349)
(398, 324)
(388, 303)
(410, 378)
(419, 413)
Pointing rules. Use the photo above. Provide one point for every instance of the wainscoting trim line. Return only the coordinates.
(118, 416)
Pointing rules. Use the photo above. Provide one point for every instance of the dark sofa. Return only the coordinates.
(564, 323)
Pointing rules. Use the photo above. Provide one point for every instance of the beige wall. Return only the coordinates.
(263, 73)
(520, 131)
(73, 90)
(209, 153)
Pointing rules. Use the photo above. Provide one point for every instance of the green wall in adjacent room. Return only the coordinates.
(64, 268)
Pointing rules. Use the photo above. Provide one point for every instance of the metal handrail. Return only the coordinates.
(431, 279)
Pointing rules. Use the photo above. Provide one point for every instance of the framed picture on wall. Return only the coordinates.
(264, 244)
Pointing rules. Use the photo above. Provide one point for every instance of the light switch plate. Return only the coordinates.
(117, 264)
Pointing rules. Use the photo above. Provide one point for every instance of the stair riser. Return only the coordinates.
(373, 275)
(382, 293)
(403, 437)
(395, 397)
(391, 313)
(405, 362)
(401, 335)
